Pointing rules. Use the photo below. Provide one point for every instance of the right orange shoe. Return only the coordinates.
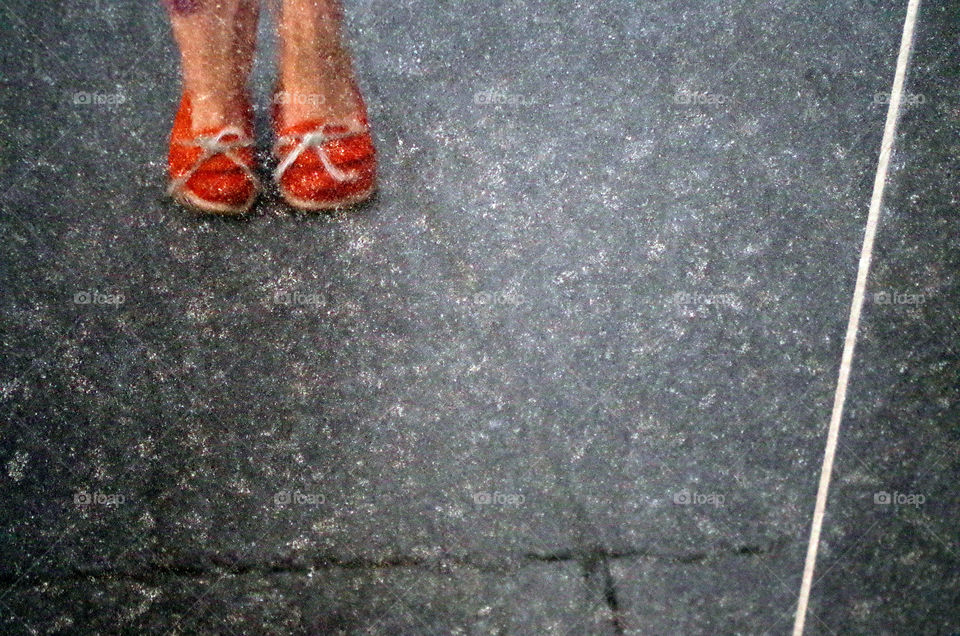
(213, 170)
(324, 165)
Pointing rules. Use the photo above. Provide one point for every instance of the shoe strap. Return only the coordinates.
(317, 140)
(213, 145)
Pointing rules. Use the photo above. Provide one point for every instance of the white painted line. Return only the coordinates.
(850, 341)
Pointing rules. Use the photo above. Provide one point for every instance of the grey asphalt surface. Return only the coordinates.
(569, 373)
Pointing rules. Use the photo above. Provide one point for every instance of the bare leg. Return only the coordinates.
(216, 40)
(316, 71)
(245, 39)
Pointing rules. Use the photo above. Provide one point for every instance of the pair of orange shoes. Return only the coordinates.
(321, 165)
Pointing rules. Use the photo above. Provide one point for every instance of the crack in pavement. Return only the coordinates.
(593, 560)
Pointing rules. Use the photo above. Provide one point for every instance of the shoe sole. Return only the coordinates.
(190, 200)
(309, 205)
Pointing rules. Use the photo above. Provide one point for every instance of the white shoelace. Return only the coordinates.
(316, 139)
(213, 145)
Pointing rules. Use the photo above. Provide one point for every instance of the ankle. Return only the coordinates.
(211, 110)
(302, 63)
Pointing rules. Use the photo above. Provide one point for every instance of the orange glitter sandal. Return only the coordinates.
(325, 165)
(212, 171)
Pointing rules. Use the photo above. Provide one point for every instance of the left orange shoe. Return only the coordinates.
(212, 170)
(325, 165)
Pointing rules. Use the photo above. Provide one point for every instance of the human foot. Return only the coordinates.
(316, 70)
(324, 147)
(324, 164)
(321, 88)
(216, 110)
(211, 155)
(212, 167)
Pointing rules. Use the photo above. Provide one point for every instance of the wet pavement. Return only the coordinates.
(570, 372)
